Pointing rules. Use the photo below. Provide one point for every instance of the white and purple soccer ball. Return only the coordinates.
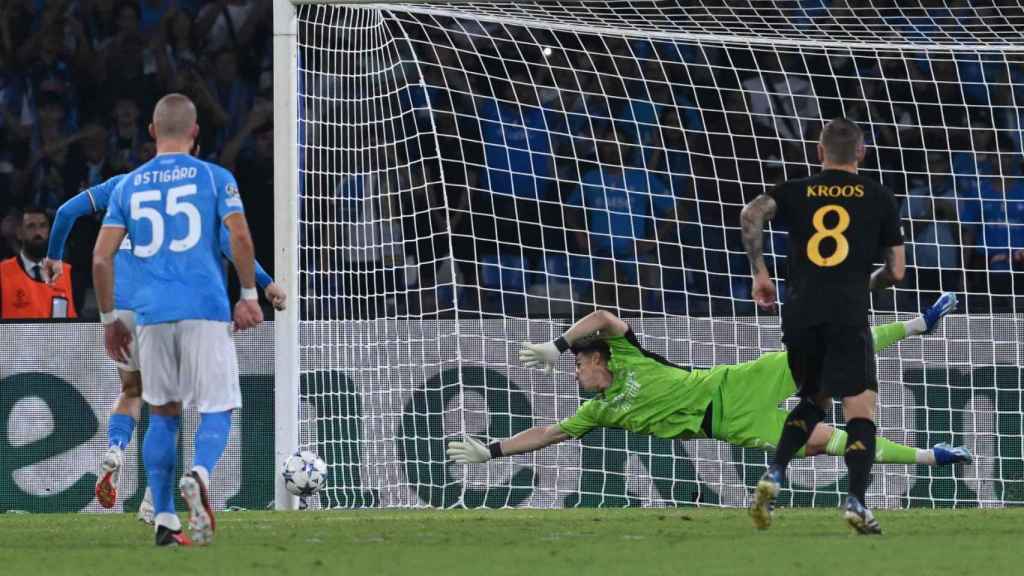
(304, 473)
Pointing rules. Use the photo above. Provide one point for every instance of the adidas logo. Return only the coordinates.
(858, 445)
(798, 424)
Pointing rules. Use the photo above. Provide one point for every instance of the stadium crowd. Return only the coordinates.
(635, 157)
(78, 82)
(575, 167)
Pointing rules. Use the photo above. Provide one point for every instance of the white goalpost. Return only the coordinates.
(452, 179)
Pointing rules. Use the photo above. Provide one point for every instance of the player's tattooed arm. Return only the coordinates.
(752, 220)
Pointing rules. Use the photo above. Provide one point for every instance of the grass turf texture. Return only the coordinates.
(524, 542)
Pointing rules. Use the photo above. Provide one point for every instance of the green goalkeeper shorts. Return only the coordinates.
(746, 406)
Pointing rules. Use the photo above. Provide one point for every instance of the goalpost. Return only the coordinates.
(453, 179)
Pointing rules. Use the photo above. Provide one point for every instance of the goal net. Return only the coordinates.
(474, 175)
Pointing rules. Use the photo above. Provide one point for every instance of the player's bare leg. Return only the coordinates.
(126, 412)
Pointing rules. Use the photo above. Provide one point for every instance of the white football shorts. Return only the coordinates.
(128, 317)
(192, 362)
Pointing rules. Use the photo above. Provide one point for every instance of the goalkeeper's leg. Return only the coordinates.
(763, 430)
(771, 373)
(888, 334)
(828, 440)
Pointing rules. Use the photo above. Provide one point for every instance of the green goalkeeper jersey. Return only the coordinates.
(648, 395)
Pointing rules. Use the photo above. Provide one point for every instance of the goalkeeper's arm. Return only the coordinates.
(473, 451)
(599, 324)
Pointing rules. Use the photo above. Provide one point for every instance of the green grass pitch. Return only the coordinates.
(632, 542)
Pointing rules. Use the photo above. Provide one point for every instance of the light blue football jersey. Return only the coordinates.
(91, 201)
(172, 208)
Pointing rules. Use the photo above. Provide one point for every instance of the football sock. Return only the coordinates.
(159, 453)
(886, 451)
(888, 334)
(860, 455)
(167, 519)
(916, 326)
(211, 439)
(795, 432)
(120, 428)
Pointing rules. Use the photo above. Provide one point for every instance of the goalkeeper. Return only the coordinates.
(642, 392)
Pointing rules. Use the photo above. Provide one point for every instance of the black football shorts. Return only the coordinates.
(835, 359)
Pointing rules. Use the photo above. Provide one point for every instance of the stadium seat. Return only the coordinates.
(504, 282)
(581, 274)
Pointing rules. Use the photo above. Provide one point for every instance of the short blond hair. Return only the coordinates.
(174, 117)
(841, 138)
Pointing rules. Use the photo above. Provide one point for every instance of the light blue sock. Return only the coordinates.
(159, 453)
(211, 438)
(120, 428)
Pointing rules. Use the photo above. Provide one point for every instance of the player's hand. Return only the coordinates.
(52, 269)
(764, 292)
(117, 339)
(542, 355)
(247, 314)
(469, 452)
(276, 295)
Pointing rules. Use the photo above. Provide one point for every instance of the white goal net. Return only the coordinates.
(471, 176)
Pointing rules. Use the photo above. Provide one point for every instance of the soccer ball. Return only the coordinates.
(304, 473)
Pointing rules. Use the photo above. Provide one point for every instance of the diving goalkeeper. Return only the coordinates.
(644, 393)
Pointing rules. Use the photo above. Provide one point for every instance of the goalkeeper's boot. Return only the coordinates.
(948, 454)
(763, 506)
(146, 510)
(171, 538)
(201, 523)
(860, 518)
(944, 305)
(107, 479)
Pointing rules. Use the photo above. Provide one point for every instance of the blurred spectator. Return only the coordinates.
(250, 157)
(49, 71)
(1002, 214)
(43, 182)
(935, 233)
(24, 292)
(89, 163)
(223, 101)
(153, 12)
(127, 134)
(9, 225)
(131, 71)
(620, 206)
(977, 154)
(100, 22)
(174, 49)
(781, 101)
(230, 23)
(517, 135)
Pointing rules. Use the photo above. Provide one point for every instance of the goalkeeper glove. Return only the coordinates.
(542, 355)
(469, 452)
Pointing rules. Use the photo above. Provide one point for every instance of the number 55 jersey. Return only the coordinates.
(172, 208)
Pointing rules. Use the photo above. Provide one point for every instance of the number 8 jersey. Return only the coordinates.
(839, 224)
(172, 208)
